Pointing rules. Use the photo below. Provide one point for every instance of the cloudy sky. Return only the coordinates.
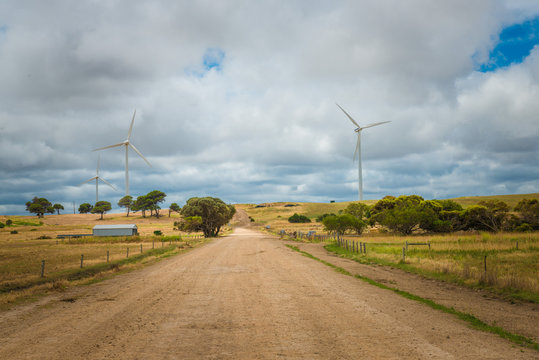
(236, 99)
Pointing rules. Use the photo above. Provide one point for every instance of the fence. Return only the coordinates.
(138, 249)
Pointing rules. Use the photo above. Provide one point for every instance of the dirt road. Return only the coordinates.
(246, 296)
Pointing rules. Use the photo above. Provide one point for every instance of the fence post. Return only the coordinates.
(140, 247)
(107, 256)
(406, 244)
(42, 268)
(81, 260)
(485, 265)
(429, 245)
(153, 243)
(403, 254)
(127, 254)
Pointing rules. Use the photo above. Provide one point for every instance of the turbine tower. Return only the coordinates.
(358, 146)
(127, 144)
(97, 178)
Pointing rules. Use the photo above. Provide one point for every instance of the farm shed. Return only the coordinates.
(115, 230)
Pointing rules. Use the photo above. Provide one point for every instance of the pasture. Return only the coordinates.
(29, 241)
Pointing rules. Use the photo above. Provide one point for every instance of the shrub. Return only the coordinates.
(323, 216)
(2, 225)
(296, 218)
(525, 227)
(9, 222)
(157, 233)
(14, 232)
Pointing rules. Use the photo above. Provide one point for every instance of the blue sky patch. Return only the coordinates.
(514, 45)
(213, 58)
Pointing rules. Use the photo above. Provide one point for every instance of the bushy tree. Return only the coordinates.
(174, 207)
(491, 215)
(213, 212)
(401, 214)
(343, 223)
(528, 210)
(141, 204)
(153, 199)
(296, 218)
(58, 207)
(101, 207)
(85, 208)
(126, 202)
(189, 224)
(358, 210)
(323, 216)
(39, 206)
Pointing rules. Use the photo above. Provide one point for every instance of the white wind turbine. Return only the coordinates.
(358, 147)
(127, 144)
(97, 178)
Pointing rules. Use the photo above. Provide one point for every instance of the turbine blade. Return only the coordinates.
(131, 127)
(345, 113)
(356, 152)
(110, 146)
(84, 182)
(375, 124)
(140, 154)
(106, 182)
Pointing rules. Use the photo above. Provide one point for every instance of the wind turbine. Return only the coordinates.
(358, 146)
(97, 178)
(127, 144)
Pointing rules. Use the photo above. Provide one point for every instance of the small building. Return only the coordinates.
(115, 230)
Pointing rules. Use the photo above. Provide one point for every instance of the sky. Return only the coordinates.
(236, 99)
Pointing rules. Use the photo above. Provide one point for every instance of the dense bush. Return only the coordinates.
(296, 218)
(2, 225)
(323, 216)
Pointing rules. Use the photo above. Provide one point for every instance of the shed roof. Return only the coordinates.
(116, 226)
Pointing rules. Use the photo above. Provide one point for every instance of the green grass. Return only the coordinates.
(468, 318)
(511, 273)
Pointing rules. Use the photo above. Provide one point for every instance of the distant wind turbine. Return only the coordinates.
(358, 146)
(127, 144)
(97, 178)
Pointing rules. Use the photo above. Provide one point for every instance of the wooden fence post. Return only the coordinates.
(107, 256)
(153, 243)
(485, 265)
(140, 247)
(81, 260)
(42, 268)
(403, 254)
(127, 254)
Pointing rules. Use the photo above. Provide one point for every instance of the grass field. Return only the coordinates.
(460, 258)
(29, 241)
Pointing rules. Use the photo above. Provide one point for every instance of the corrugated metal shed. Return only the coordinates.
(115, 230)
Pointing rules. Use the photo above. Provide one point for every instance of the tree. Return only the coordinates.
(39, 206)
(213, 212)
(189, 224)
(141, 204)
(101, 207)
(342, 223)
(323, 216)
(358, 210)
(153, 198)
(401, 214)
(491, 215)
(296, 218)
(174, 207)
(528, 210)
(85, 208)
(126, 202)
(58, 207)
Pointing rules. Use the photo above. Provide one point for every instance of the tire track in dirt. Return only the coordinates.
(245, 296)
